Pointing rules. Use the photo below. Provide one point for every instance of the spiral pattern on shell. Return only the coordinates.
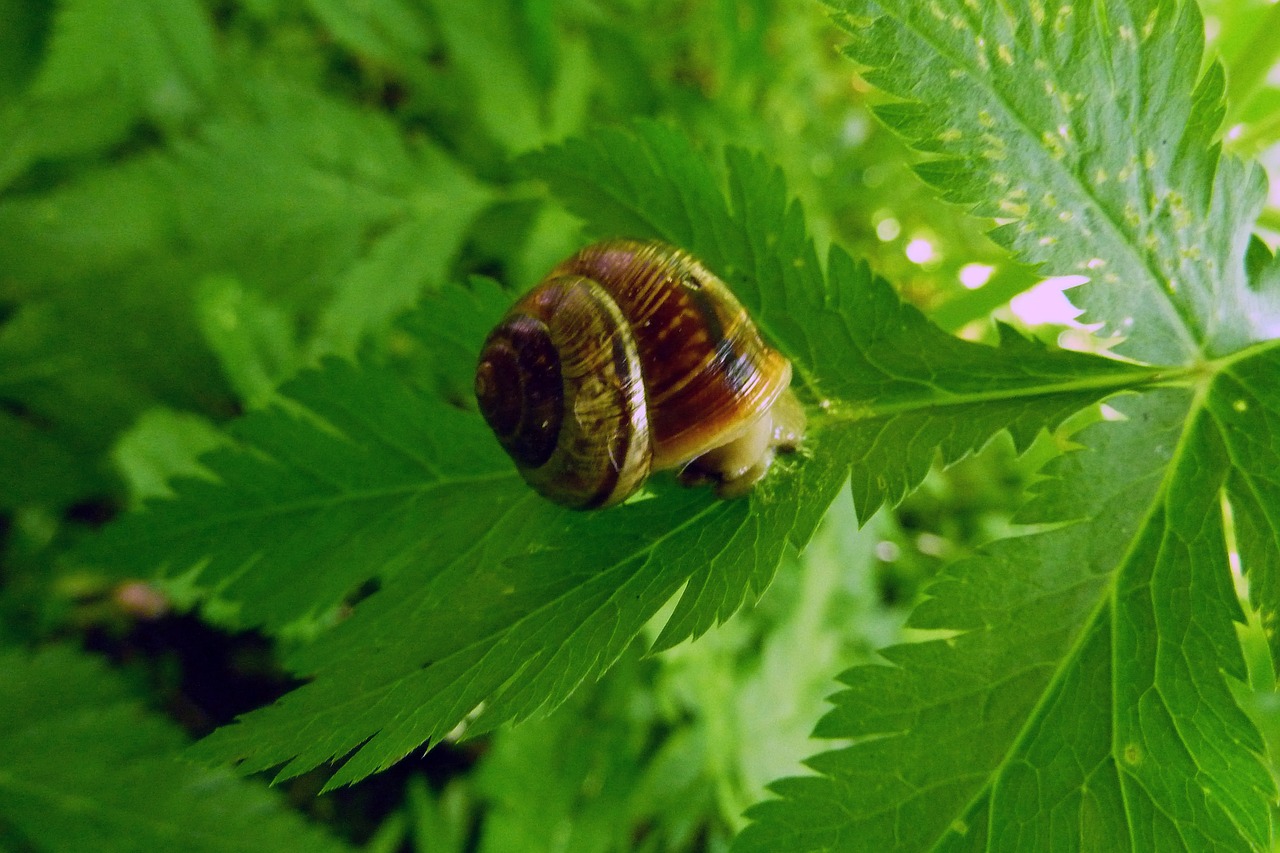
(628, 357)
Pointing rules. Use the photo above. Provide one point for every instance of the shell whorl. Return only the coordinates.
(567, 342)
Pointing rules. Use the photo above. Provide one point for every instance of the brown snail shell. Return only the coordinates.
(631, 357)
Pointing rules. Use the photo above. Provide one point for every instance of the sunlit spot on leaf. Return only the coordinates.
(974, 276)
(1047, 304)
(920, 251)
(888, 228)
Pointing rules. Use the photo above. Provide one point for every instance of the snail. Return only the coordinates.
(632, 357)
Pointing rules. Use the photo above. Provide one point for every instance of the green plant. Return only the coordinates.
(1080, 695)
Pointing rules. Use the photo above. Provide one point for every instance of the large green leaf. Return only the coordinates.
(1083, 128)
(494, 604)
(1081, 703)
(1081, 699)
(896, 387)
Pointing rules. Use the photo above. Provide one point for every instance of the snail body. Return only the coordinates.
(632, 357)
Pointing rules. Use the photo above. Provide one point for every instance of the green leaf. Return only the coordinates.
(301, 175)
(537, 599)
(161, 446)
(485, 45)
(35, 129)
(1243, 407)
(897, 387)
(339, 487)
(381, 29)
(443, 334)
(101, 222)
(298, 194)
(414, 256)
(20, 43)
(158, 54)
(493, 599)
(1084, 128)
(254, 341)
(86, 768)
(307, 188)
(744, 697)
(439, 823)
(587, 761)
(1082, 696)
(1081, 699)
(1247, 70)
(71, 380)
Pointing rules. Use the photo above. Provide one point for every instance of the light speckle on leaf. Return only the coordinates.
(1014, 208)
(1149, 26)
(1060, 22)
(1054, 145)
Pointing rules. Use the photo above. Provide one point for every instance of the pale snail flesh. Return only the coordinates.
(632, 357)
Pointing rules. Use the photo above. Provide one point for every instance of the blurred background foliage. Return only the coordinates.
(200, 197)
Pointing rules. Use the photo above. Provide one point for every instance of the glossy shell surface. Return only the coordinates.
(628, 357)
